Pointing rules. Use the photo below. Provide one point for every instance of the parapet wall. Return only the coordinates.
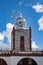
(14, 53)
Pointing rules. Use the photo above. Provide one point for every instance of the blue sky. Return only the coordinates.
(32, 11)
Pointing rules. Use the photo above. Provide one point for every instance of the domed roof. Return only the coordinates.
(20, 22)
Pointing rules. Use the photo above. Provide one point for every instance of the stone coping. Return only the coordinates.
(21, 53)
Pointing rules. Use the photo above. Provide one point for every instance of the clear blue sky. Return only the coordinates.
(32, 11)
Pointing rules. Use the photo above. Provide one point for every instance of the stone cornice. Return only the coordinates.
(14, 53)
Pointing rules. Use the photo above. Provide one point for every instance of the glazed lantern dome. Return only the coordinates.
(20, 22)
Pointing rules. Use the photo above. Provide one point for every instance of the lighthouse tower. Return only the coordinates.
(21, 36)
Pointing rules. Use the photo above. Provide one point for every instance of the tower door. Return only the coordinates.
(21, 43)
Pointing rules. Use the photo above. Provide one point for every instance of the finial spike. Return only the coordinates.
(19, 13)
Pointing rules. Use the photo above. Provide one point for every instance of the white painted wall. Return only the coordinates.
(7, 59)
(13, 60)
(39, 60)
